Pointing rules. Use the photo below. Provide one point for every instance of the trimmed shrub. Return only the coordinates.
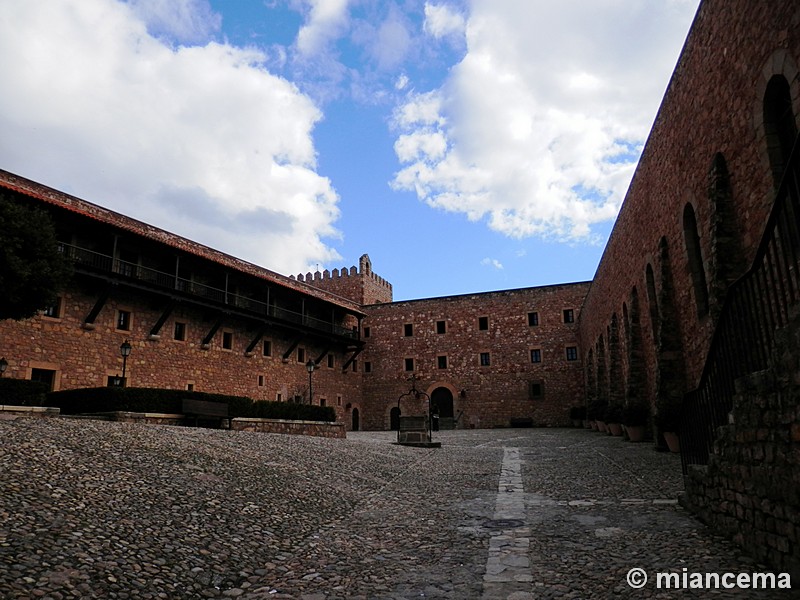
(23, 392)
(110, 399)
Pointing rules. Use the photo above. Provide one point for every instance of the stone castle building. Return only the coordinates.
(698, 283)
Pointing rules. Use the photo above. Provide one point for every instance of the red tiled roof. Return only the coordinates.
(54, 197)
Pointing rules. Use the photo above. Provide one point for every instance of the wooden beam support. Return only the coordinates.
(88, 321)
(350, 360)
(162, 319)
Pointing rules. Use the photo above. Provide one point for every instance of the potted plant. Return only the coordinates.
(667, 421)
(613, 417)
(596, 413)
(577, 414)
(635, 416)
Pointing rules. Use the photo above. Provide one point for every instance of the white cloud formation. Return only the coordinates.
(325, 21)
(187, 21)
(201, 140)
(441, 20)
(538, 128)
(492, 262)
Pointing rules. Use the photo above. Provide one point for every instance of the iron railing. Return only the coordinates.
(755, 307)
(95, 261)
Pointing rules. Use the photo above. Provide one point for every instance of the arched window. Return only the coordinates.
(694, 257)
(780, 126)
(652, 298)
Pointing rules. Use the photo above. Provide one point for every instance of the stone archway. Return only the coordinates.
(442, 398)
(394, 419)
(355, 420)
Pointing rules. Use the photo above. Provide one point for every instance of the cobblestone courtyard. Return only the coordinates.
(107, 510)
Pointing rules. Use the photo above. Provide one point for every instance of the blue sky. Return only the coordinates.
(464, 145)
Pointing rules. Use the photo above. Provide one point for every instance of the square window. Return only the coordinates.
(367, 332)
(409, 364)
(179, 332)
(124, 320)
(301, 355)
(189, 387)
(483, 323)
(260, 381)
(408, 329)
(367, 366)
(355, 366)
(572, 353)
(533, 319)
(338, 400)
(569, 315)
(485, 360)
(441, 326)
(323, 402)
(227, 340)
(266, 348)
(536, 355)
(330, 361)
(441, 362)
(46, 376)
(536, 390)
(278, 397)
(54, 310)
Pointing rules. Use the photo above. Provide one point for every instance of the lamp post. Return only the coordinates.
(3, 365)
(310, 366)
(125, 350)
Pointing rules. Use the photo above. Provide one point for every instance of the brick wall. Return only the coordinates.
(87, 357)
(712, 115)
(490, 395)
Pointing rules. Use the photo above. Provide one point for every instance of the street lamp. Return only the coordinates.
(125, 350)
(3, 365)
(310, 366)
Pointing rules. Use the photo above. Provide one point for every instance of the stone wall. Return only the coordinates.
(750, 490)
(449, 330)
(312, 428)
(8, 412)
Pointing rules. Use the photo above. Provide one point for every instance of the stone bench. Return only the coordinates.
(204, 410)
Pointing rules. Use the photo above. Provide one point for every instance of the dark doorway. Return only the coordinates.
(443, 399)
(394, 419)
(355, 420)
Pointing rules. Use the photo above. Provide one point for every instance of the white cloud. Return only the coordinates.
(325, 22)
(442, 21)
(202, 141)
(492, 262)
(544, 117)
(186, 21)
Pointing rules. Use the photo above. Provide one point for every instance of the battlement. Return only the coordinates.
(359, 284)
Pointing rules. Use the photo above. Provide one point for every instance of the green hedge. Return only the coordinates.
(108, 399)
(22, 392)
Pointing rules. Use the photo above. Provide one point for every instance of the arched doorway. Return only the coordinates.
(394, 419)
(355, 420)
(442, 398)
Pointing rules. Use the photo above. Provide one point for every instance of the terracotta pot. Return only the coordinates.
(635, 432)
(593, 425)
(673, 442)
(615, 429)
(601, 426)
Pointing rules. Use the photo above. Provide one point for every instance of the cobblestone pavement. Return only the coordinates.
(109, 510)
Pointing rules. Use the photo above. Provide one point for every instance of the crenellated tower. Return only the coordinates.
(360, 284)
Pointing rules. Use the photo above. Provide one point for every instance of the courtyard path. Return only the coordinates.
(93, 509)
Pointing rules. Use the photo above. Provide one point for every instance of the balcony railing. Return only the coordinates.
(94, 261)
(756, 306)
